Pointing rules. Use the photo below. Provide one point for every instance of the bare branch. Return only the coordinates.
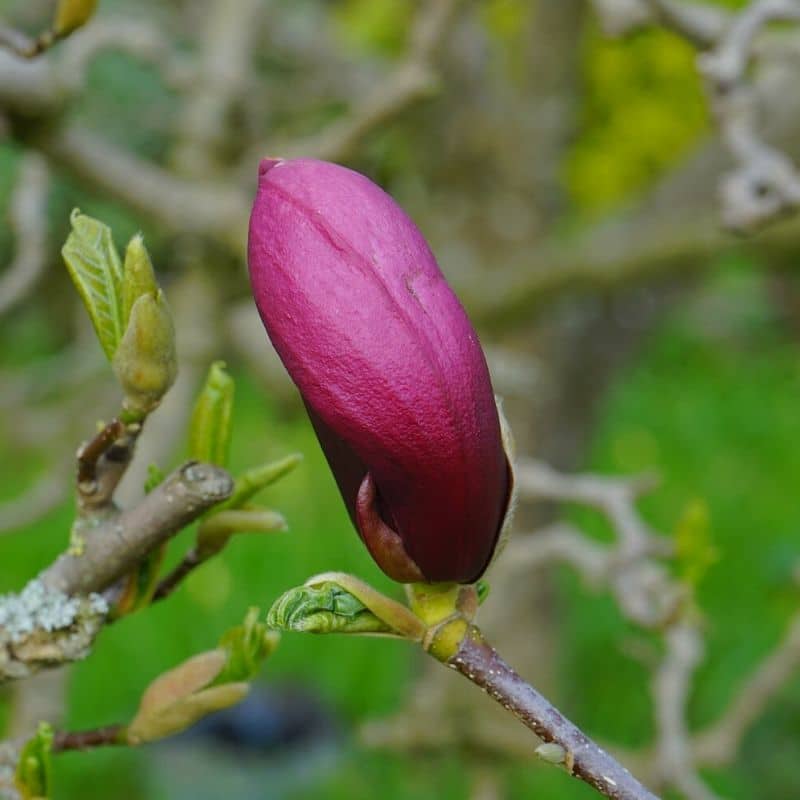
(56, 618)
(113, 548)
(727, 63)
(139, 38)
(108, 736)
(225, 62)
(719, 743)
(412, 79)
(700, 23)
(16, 41)
(581, 757)
(671, 687)
(29, 223)
(202, 207)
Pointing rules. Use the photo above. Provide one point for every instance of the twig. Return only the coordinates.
(140, 38)
(181, 571)
(58, 615)
(581, 757)
(17, 42)
(114, 547)
(29, 223)
(226, 50)
(700, 23)
(102, 462)
(671, 686)
(108, 736)
(719, 743)
(412, 79)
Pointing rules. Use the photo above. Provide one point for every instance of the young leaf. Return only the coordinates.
(215, 531)
(180, 697)
(33, 768)
(247, 645)
(251, 482)
(210, 428)
(695, 552)
(138, 276)
(326, 608)
(145, 361)
(72, 14)
(96, 271)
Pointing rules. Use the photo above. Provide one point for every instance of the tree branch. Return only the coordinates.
(581, 757)
(671, 686)
(412, 79)
(719, 743)
(113, 548)
(28, 214)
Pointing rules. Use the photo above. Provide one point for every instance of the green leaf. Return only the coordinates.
(247, 645)
(155, 477)
(325, 608)
(96, 271)
(72, 14)
(33, 775)
(695, 552)
(138, 276)
(210, 428)
(215, 531)
(251, 482)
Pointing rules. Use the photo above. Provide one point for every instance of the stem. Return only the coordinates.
(480, 663)
(86, 740)
(167, 586)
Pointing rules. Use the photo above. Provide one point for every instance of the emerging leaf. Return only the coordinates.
(250, 483)
(145, 362)
(695, 552)
(72, 14)
(210, 428)
(180, 682)
(247, 645)
(325, 608)
(96, 271)
(185, 712)
(138, 276)
(182, 696)
(33, 776)
(215, 531)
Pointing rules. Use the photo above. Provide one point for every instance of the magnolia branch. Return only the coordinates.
(648, 595)
(578, 754)
(60, 628)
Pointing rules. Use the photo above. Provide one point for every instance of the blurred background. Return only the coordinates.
(567, 181)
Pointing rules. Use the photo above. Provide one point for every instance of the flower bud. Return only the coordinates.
(388, 365)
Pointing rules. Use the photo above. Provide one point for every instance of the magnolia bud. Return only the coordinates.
(145, 361)
(388, 365)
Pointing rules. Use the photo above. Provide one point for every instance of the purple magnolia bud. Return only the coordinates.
(388, 365)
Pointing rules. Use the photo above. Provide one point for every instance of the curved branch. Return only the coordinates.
(29, 222)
